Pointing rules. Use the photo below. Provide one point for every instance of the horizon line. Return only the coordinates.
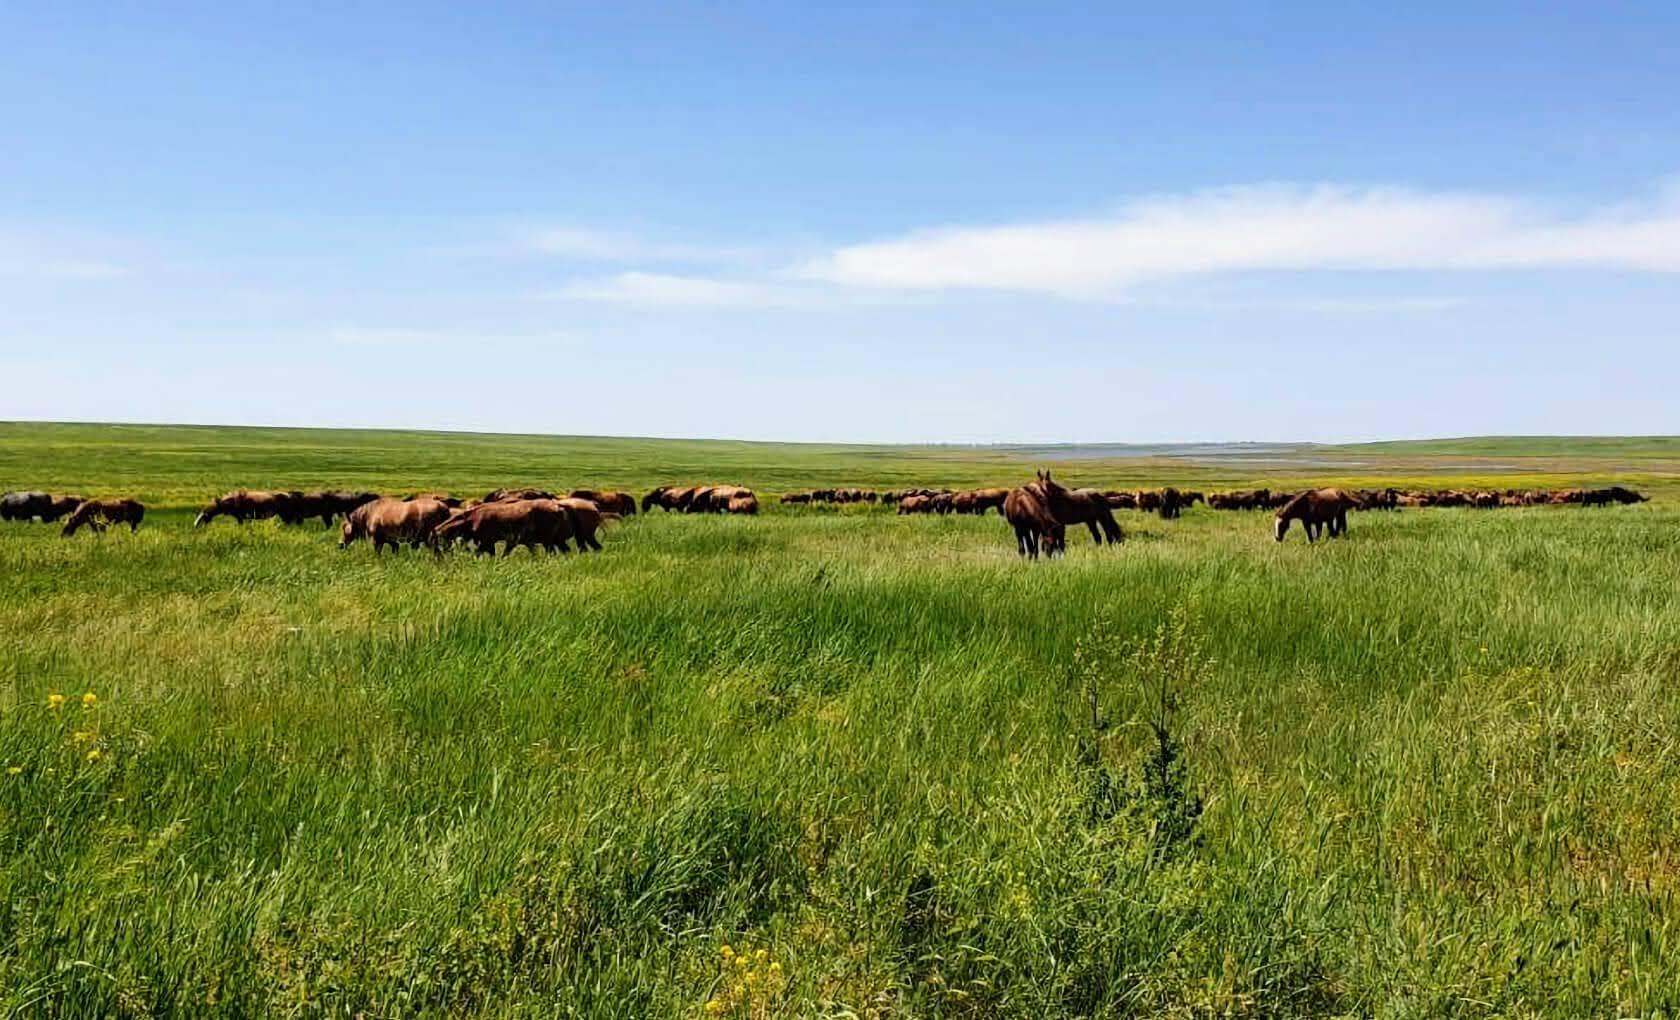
(997, 444)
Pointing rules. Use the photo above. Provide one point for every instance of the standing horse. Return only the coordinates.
(1315, 508)
(1078, 506)
(1034, 525)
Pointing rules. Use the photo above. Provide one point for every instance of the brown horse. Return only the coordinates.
(247, 505)
(515, 522)
(508, 495)
(1035, 527)
(586, 518)
(1078, 506)
(669, 497)
(620, 503)
(393, 522)
(96, 513)
(1315, 508)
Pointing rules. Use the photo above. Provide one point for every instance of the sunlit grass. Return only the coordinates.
(1436, 762)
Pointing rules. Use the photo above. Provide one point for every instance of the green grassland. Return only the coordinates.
(1428, 770)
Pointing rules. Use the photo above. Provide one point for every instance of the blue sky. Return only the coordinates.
(964, 222)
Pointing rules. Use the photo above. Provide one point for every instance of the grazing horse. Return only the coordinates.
(247, 505)
(1078, 506)
(96, 513)
(669, 497)
(1026, 512)
(1315, 508)
(515, 522)
(620, 503)
(393, 522)
(512, 495)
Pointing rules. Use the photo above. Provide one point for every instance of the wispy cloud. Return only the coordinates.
(404, 336)
(665, 289)
(1261, 228)
(611, 246)
(1157, 240)
(56, 260)
(383, 336)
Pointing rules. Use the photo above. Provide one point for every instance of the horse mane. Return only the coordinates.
(1295, 503)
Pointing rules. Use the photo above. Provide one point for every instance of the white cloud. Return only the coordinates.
(38, 259)
(610, 246)
(664, 289)
(84, 269)
(403, 336)
(1260, 228)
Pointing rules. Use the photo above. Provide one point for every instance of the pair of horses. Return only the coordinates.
(1041, 510)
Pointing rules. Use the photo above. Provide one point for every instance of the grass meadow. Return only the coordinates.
(835, 763)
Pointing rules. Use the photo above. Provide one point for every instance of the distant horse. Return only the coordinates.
(1034, 525)
(96, 513)
(1078, 506)
(1315, 508)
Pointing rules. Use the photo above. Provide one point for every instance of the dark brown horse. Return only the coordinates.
(669, 497)
(1035, 527)
(1078, 506)
(620, 503)
(96, 513)
(1315, 509)
(247, 505)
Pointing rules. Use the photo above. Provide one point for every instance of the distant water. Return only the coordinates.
(1202, 453)
(1185, 451)
(1238, 454)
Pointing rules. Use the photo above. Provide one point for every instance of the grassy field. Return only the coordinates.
(1430, 770)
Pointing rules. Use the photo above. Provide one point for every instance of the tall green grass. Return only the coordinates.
(1435, 763)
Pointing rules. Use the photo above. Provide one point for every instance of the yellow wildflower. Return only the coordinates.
(776, 969)
(740, 991)
(714, 1005)
(15, 770)
(728, 951)
(752, 977)
(55, 701)
(81, 736)
(93, 755)
(763, 955)
(90, 699)
(740, 961)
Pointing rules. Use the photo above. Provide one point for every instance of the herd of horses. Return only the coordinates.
(1040, 511)
(510, 517)
(93, 514)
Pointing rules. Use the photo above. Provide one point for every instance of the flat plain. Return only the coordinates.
(837, 762)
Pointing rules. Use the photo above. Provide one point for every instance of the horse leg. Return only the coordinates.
(1096, 537)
